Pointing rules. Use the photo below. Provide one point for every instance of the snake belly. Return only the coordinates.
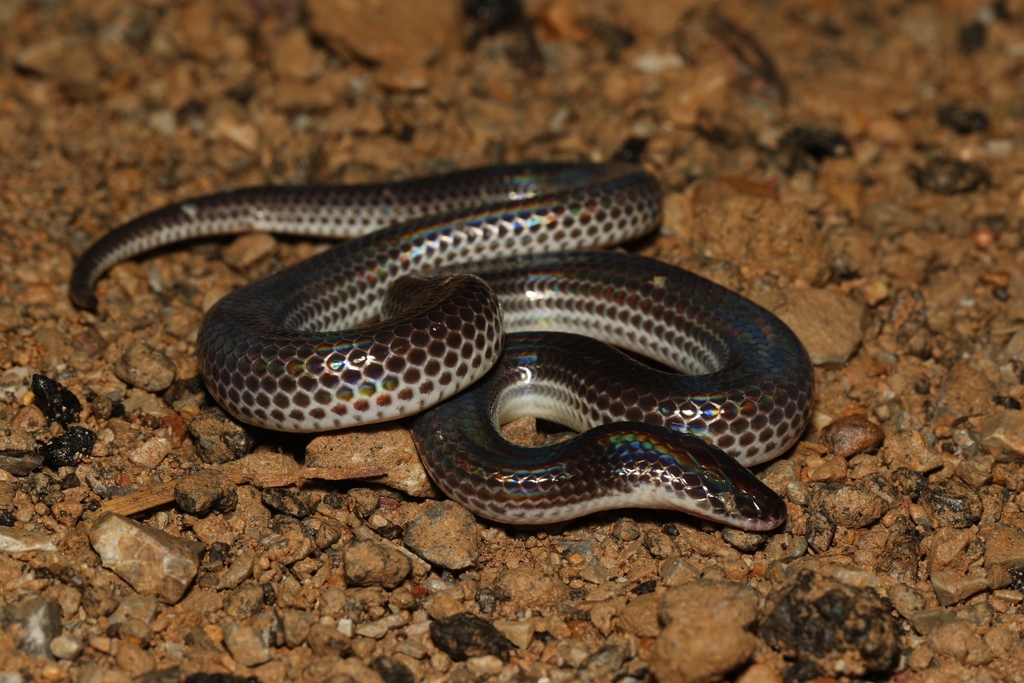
(465, 257)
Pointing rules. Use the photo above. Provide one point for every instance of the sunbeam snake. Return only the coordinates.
(411, 309)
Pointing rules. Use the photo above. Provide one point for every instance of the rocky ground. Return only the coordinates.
(857, 167)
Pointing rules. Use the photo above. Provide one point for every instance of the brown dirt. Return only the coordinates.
(811, 160)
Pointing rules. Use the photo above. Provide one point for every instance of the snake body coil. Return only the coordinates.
(444, 265)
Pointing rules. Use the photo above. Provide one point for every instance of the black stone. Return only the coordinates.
(1007, 402)
(392, 671)
(219, 678)
(57, 402)
(494, 15)
(818, 142)
(972, 36)
(962, 120)
(464, 635)
(817, 620)
(392, 532)
(69, 448)
(286, 502)
(948, 176)
(631, 149)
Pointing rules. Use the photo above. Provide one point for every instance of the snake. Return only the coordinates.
(467, 299)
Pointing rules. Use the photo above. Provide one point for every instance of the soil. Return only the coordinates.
(853, 166)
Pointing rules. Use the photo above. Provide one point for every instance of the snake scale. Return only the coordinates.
(491, 274)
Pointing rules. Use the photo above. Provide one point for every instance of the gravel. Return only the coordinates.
(877, 210)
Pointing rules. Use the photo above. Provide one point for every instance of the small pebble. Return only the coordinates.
(907, 600)
(902, 552)
(1004, 546)
(379, 628)
(66, 647)
(133, 659)
(135, 630)
(325, 641)
(874, 291)
(145, 368)
(1003, 431)
(202, 493)
(40, 621)
(532, 587)
(239, 571)
(953, 587)
(698, 650)
(519, 632)
(858, 505)
(849, 435)
(150, 453)
(369, 563)
(486, 665)
(908, 450)
(951, 503)
(248, 249)
(446, 535)
(218, 438)
(927, 621)
(785, 546)
(676, 571)
(403, 34)
(247, 645)
(640, 616)
(141, 608)
(744, 541)
(958, 642)
(19, 462)
(821, 530)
